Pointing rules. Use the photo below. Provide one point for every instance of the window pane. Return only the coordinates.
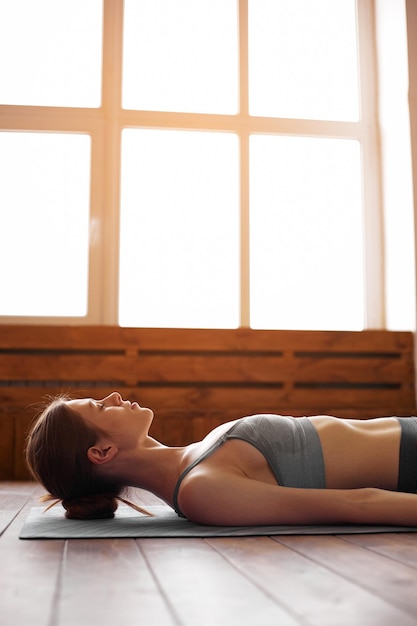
(179, 261)
(306, 234)
(50, 52)
(394, 126)
(44, 200)
(180, 55)
(303, 59)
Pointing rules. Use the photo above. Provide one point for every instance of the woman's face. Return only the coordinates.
(122, 419)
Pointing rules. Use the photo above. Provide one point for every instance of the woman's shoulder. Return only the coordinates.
(204, 492)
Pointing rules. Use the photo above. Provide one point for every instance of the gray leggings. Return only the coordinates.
(407, 475)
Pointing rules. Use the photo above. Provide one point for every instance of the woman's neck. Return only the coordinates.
(155, 468)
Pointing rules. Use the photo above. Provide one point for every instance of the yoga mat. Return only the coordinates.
(165, 523)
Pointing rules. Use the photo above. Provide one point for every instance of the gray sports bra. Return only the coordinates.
(290, 445)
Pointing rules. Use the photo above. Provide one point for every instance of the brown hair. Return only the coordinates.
(56, 454)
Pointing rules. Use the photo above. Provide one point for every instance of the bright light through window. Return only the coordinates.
(306, 234)
(303, 59)
(213, 232)
(50, 52)
(181, 55)
(394, 119)
(44, 216)
(179, 262)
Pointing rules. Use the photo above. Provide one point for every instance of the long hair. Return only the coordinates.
(56, 454)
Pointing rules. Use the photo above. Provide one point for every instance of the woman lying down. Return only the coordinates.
(257, 470)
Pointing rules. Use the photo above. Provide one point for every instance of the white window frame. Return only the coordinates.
(105, 125)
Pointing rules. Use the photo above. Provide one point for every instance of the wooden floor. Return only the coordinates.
(281, 581)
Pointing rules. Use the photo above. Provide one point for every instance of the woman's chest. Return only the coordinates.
(244, 458)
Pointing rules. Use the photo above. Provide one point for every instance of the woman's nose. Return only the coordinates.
(113, 398)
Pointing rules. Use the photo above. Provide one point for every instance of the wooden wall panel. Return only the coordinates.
(197, 379)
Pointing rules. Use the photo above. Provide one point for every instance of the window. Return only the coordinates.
(180, 56)
(303, 59)
(179, 229)
(306, 239)
(205, 163)
(44, 232)
(51, 52)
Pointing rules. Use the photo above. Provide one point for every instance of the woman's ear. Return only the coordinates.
(101, 453)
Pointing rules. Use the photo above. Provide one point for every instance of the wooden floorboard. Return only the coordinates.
(385, 578)
(345, 580)
(204, 589)
(108, 582)
(313, 593)
(29, 573)
(12, 500)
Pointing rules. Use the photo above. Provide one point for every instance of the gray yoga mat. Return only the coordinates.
(165, 523)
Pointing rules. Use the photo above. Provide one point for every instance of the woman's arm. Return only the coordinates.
(219, 498)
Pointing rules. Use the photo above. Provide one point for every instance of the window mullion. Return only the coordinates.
(111, 106)
(244, 164)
